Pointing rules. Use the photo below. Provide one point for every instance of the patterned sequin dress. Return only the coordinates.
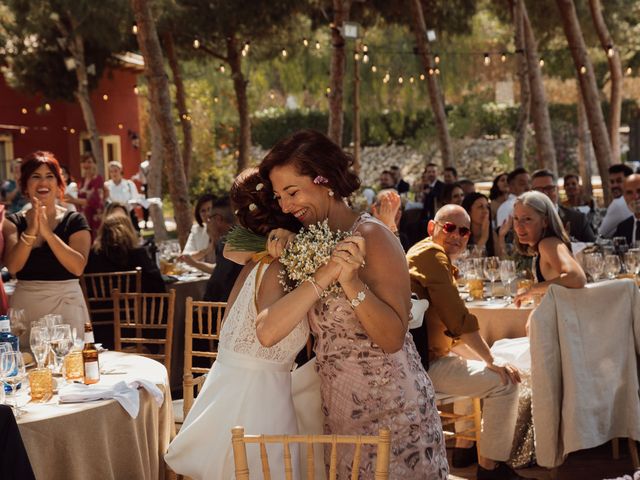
(364, 389)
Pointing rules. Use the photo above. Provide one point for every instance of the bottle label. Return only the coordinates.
(92, 371)
(5, 325)
(88, 337)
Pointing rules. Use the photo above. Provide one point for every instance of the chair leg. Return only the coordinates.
(615, 448)
(633, 450)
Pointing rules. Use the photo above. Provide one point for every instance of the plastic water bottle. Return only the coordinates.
(7, 337)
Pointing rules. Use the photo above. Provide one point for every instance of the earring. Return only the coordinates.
(330, 193)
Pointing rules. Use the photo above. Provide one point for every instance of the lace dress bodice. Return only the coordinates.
(238, 332)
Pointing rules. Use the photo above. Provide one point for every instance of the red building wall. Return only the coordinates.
(59, 130)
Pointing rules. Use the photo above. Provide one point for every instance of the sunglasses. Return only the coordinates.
(450, 227)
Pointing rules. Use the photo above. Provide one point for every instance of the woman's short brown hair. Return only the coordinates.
(255, 206)
(116, 237)
(35, 161)
(314, 154)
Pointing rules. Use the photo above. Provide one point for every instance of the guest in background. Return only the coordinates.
(91, 195)
(452, 193)
(450, 175)
(482, 235)
(498, 194)
(117, 249)
(467, 186)
(71, 189)
(519, 182)
(388, 209)
(386, 180)
(12, 197)
(630, 227)
(540, 233)
(199, 251)
(122, 191)
(576, 223)
(46, 248)
(431, 190)
(573, 191)
(453, 351)
(4, 302)
(401, 186)
(617, 211)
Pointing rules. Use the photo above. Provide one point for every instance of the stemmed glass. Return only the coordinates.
(61, 343)
(39, 341)
(611, 266)
(632, 261)
(491, 268)
(4, 347)
(13, 372)
(620, 245)
(507, 275)
(594, 264)
(17, 319)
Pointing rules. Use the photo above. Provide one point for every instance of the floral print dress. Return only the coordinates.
(93, 191)
(363, 389)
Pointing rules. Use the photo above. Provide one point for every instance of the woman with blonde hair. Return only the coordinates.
(539, 233)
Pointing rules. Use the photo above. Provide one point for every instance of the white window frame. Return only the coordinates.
(105, 141)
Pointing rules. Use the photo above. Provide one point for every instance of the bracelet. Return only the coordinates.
(28, 235)
(316, 287)
(360, 296)
(24, 240)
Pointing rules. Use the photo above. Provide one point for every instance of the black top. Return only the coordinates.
(223, 277)
(578, 223)
(489, 247)
(42, 264)
(138, 257)
(625, 229)
(539, 275)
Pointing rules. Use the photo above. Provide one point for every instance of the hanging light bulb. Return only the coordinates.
(431, 71)
(136, 90)
(411, 79)
(422, 77)
(196, 43)
(365, 48)
(583, 70)
(105, 97)
(284, 53)
(24, 111)
(23, 130)
(374, 69)
(487, 59)
(134, 28)
(305, 42)
(328, 90)
(503, 57)
(317, 45)
(629, 71)
(437, 71)
(120, 126)
(216, 99)
(436, 59)
(72, 130)
(356, 57)
(400, 80)
(47, 107)
(221, 68)
(610, 51)
(541, 62)
(365, 58)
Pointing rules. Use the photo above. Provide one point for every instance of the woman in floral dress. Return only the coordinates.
(371, 375)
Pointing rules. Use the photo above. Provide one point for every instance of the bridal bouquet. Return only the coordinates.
(244, 240)
(310, 249)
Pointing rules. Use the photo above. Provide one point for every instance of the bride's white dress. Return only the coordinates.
(249, 385)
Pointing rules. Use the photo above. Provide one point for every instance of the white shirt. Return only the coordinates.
(198, 240)
(617, 212)
(72, 191)
(123, 192)
(505, 209)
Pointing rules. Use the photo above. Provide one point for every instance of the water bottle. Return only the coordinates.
(7, 337)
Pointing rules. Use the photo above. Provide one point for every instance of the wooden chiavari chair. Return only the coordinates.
(240, 440)
(143, 324)
(449, 419)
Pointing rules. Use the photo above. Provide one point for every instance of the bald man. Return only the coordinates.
(630, 227)
(448, 327)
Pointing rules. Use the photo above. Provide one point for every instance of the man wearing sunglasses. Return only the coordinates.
(449, 328)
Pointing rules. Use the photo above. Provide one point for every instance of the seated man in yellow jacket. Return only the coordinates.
(456, 356)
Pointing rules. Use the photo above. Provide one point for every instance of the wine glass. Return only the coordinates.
(611, 266)
(13, 372)
(17, 320)
(61, 343)
(4, 347)
(632, 261)
(507, 275)
(595, 265)
(620, 245)
(39, 342)
(491, 269)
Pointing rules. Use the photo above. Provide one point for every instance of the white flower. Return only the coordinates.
(252, 207)
(259, 187)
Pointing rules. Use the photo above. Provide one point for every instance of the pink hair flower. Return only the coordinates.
(320, 180)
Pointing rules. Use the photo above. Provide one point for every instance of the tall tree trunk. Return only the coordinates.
(161, 109)
(615, 70)
(75, 44)
(435, 92)
(585, 149)
(545, 149)
(240, 88)
(356, 112)
(154, 178)
(525, 90)
(338, 66)
(181, 100)
(589, 90)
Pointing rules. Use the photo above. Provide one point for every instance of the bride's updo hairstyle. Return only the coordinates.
(314, 155)
(255, 206)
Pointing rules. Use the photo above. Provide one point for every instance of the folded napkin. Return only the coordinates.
(125, 393)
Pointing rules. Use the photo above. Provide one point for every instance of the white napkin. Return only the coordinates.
(125, 393)
(418, 308)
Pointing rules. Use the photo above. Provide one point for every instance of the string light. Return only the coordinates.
(317, 45)
(356, 57)
(629, 71)
(134, 28)
(47, 107)
(284, 53)
(610, 51)
(328, 90)
(422, 77)
(436, 59)
(272, 95)
(431, 71)
(72, 131)
(216, 99)
(196, 44)
(136, 90)
(411, 79)
(120, 126)
(437, 71)
(365, 48)
(374, 69)
(23, 130)
(503, 57)
(541, 62)
(487, 59)
(221, 68)
(105, 97)
(583, 70)
(305, 42)
(365, 58)
(400, 80)
(24, 111)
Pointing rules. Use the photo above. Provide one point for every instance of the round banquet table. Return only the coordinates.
(500, 320)
(99, 439)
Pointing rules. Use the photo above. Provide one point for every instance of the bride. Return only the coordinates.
(249, 385)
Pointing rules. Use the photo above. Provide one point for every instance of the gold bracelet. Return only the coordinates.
(24, 240)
